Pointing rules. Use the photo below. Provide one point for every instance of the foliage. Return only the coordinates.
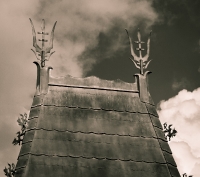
(185, 175)
(169, 132)
(10, 171)
(23, 122)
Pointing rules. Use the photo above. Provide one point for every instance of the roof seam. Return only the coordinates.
(39, 112)
(73, 140)
(101, 142)
(171, 164)
(158, 141)
(35, 128)
(157, 127)
(153, 114)
(148, 103)
(27, 142)
(34, 117)
(166, 151)
(21, 167)
(95, 109)
(36, 105)
(103, 158)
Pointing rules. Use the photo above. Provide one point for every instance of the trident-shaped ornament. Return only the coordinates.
(140, 62)
(43, 54)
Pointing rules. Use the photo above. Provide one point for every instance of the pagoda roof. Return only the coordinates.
(94, 128)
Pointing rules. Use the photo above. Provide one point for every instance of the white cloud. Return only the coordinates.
(183, 112)
(195, 170)
(17, 73)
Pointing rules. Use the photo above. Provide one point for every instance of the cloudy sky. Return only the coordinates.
(90, 40)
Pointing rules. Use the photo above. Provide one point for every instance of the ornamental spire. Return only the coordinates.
(42, 53)
(140, 62)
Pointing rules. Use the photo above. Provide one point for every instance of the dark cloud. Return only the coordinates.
(174, 11)
(174, 47)
(184, 83)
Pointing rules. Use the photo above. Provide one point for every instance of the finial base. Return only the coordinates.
(42, 78)
(142, 82)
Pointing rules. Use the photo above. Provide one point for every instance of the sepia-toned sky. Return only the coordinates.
(90, 39)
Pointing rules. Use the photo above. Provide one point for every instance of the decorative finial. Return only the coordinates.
(41, 52)
(140, 62)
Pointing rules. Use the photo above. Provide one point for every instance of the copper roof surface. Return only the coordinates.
(88, 127)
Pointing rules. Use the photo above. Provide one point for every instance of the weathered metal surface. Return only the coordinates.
(165, 146)
(77, 167)
(28, 136)
(27, 141)
(160, 134)
(150, 99)
(92, 132)
(97, 146)
(143, 87)
(42, 79)
(91, 150)
(152, 110)
(96, 121)
(19, 172)
(95, 99)
(169, 158)
(34, 112)
(22, 161)
(32, 123)
(96, 138)
(173, 171)
(93, 82)
(26, 148)
(37, 100)
(33, 117)
(156, 122)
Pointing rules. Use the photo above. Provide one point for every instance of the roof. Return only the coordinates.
(88, 127)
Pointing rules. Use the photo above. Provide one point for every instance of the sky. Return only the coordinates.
(90, 39)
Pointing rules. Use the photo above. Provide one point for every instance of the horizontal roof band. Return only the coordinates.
(97, 88)
(94, 83)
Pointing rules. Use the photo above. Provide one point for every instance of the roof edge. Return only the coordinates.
(93, 82)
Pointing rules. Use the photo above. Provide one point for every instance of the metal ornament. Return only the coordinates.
(140, 62)
(43, 53)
